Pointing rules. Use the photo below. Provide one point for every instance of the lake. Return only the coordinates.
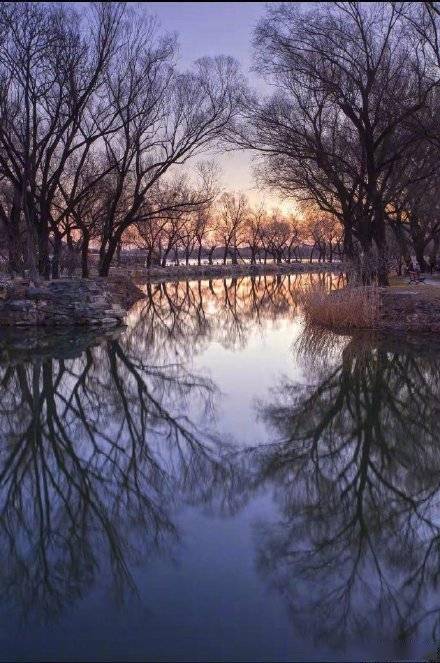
(218, 482)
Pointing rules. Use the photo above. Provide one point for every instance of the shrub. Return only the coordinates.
(350, 307)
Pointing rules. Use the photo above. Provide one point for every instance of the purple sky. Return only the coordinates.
(215, 28)
(210, 28)
(218, 28)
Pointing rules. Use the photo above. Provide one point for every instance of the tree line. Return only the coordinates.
(233, 230)
(98, 124)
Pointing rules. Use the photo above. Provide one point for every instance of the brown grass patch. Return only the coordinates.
(348, 308)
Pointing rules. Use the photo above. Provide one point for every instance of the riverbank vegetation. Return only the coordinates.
(347, 308)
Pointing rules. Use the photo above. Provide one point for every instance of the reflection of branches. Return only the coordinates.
(95, 451)
(357, 475)
(180, 317)
(101, 437)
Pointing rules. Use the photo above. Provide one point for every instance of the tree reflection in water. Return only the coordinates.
(103, 436)
(95, 450)
(224, 311)
(356, 471)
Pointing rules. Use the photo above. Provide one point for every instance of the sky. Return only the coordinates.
(219, 28)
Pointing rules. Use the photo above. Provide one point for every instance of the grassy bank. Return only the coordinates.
(400, 309)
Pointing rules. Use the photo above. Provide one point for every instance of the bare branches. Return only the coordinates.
(94, 105)
(355, 88)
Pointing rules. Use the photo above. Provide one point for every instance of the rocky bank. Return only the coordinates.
(66, 302)
(407, 310)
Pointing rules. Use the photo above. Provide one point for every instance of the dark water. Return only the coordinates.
(218, 483)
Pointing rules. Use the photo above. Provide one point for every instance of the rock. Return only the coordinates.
(66, 302)
(38, 293)
(20, 304)
(408, 311)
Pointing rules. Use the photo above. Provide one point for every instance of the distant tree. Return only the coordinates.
(233, 213)
(253, 230)
(278, 233)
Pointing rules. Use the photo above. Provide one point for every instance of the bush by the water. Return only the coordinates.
(350, 307)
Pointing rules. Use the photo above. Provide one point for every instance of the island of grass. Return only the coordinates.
(400, 307)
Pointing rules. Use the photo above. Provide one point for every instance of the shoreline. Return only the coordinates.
(396, 309)
(106, 301)
(210, 272)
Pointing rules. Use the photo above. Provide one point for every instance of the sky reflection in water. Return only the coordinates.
(218, 482)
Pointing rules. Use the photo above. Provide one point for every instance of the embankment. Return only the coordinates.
(410, 310)
(66, 302)
(104, 302)
(395, 309)
(201, 272)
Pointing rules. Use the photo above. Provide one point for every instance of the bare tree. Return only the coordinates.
(350, 86)
(93, 108)
(166, 118)
(51, 110)
(233, 213)
(253, 230)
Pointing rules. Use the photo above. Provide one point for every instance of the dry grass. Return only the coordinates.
(348, 308)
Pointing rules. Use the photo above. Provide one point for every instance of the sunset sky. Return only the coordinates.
(219, 28)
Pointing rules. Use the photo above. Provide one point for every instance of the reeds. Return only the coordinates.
(349, 308)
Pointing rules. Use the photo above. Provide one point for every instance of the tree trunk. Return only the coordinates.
(433, 253)
(165, 257)
(149, 257)
(380, 240)
(402, 244)
(43, 250)
(30, 251)
(56, 260)
(85, 256)
(234, 255)
(348, 248)
(107, 257)
(419, 250)
(14, 249)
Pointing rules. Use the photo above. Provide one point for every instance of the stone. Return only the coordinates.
(66, 302)
(20, 304)
(35, 293)
(408, 311)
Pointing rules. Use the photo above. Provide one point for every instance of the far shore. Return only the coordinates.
(203, 272)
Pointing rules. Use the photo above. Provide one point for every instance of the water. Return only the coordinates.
(216, 482)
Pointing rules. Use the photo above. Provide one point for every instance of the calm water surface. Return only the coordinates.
(217, 482)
